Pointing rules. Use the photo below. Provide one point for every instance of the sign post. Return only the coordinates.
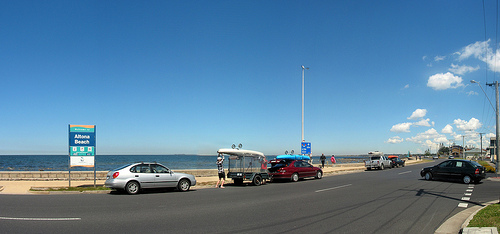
(305, 148)
(82, 147)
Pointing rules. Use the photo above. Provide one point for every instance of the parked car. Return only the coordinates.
(137, 176)
(378, 161)
(451, 157)
(397, 162)
(293, 170)
(465, 170)
(435, 157)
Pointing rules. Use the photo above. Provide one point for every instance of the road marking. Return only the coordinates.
(465, 198)
(469, 190)
(471, 186)
(40, 219)
(404, 172)
(468, 194)
(463, 205)
(342, 186)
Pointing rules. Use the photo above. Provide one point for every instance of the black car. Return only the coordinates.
(465, 170)
(397, 162)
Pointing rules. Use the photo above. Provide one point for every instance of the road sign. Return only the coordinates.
(305, 148)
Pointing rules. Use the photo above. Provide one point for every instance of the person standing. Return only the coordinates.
(220, 169)
(322, 158)
(333, 160)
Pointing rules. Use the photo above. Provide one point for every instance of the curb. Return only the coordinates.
(460, 220)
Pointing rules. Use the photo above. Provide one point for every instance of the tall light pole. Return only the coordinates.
(303, 68)
(498, 121)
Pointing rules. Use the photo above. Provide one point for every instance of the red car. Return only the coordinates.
(293, 170)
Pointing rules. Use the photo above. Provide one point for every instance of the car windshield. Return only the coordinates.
(117, 169)
(375, 158)
(281, 164)
(475, 164)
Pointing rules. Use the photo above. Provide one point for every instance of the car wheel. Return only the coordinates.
(382, 167)
(132, 187)
(295, 177)
(369, 168)
(257, 180)
(319, 175)
(183, 185)
(467, 179)
(428, 176)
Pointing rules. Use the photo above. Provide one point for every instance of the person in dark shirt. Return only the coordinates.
(322, 158)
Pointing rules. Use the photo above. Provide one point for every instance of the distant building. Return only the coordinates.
(493, 155)
(457, 150)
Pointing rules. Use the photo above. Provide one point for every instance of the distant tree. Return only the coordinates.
(427, 152)
(444, 150)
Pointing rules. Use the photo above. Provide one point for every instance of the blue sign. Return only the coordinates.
(305, 148)
(82, 140)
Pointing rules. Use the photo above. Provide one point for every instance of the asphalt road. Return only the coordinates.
(391, 201)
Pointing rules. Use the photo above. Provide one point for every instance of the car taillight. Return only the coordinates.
(477, 171)
(116, 174)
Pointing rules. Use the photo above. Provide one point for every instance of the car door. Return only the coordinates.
(297, 168)
(143, 174)
(308, 169)
(446, 169)
(459, 170)
(164, 178)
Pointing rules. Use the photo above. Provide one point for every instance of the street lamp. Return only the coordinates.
(303, 68)
(498, 121)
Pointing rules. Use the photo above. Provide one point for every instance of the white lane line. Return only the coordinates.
(469, 190)
(404, 172)
(463, 205)
(40, 219)
(465, 198)
(468, 194)
(342, 186)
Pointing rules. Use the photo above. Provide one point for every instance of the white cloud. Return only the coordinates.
(460, 70)
(439, 58)
(402, 127)
(477, 50)
(423, 122)
(448, 129)
(472, 93)
(424, 136)
(470, 125)
(424, 58)
(407, 86)
(442, 81)
(418, 113)
(481, 50)
(395, 140)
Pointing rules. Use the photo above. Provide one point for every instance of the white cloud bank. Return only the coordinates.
(395, 140)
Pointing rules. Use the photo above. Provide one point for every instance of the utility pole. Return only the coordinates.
(497, 125)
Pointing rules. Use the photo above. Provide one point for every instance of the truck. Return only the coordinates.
(377, 160)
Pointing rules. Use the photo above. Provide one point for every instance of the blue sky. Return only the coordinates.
(190, 77)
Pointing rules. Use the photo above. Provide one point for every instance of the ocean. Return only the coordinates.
(110, 162)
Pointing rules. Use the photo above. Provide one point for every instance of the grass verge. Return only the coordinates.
(487, 217)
